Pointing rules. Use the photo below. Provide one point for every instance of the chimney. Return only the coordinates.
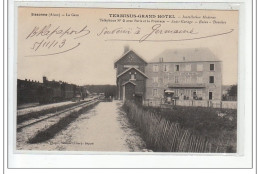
(160, 59)
(44, 79)
(126, 49)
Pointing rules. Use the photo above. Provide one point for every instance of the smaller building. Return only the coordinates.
(131, 77)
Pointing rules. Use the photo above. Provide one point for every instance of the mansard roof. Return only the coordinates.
(186, 55)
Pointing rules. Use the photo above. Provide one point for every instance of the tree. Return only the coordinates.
(232, 90)
(109, 90)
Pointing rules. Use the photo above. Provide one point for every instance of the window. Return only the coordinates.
(165, 80)
(211, 79)
(194, 95)
(165, 68)
(199, 93)
(199, 67)
(188, 67)
(212, 67)
(199, 79)
(155, 79)
(188, 79)
(132, 77)
(154, 92)
(155, 68)
(177, 67)
(210, 95)
(176, 79)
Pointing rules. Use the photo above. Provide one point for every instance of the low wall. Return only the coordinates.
(201, 103)
(229, 104)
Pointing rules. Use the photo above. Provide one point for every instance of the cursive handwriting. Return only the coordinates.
(48, 44)
(55, 38)
(156, 29)
(48, 32)
(120, 30)
(49, 54)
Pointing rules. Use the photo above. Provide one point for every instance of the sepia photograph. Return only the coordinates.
(127, 80)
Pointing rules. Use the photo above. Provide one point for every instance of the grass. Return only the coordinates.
(63, 123)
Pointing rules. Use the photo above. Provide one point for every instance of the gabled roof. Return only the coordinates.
(128, 52)
(128, 82)
(129, 70)
(186, 55)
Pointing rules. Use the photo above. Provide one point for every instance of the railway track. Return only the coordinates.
(41, 109)
(45, 117)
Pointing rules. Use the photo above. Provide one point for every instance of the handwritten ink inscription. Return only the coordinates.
(53, 39)
(155, 30)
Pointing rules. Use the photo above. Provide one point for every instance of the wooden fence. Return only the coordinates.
(162, 135)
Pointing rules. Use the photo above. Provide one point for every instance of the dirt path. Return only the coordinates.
(103, 128)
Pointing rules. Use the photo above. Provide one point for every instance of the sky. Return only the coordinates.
(86, 53)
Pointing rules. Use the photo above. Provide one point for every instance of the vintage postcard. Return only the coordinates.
(127, 80)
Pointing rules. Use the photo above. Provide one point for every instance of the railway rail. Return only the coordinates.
(45, 117)
(46, 107)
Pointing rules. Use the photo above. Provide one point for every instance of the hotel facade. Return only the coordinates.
(186, 74)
